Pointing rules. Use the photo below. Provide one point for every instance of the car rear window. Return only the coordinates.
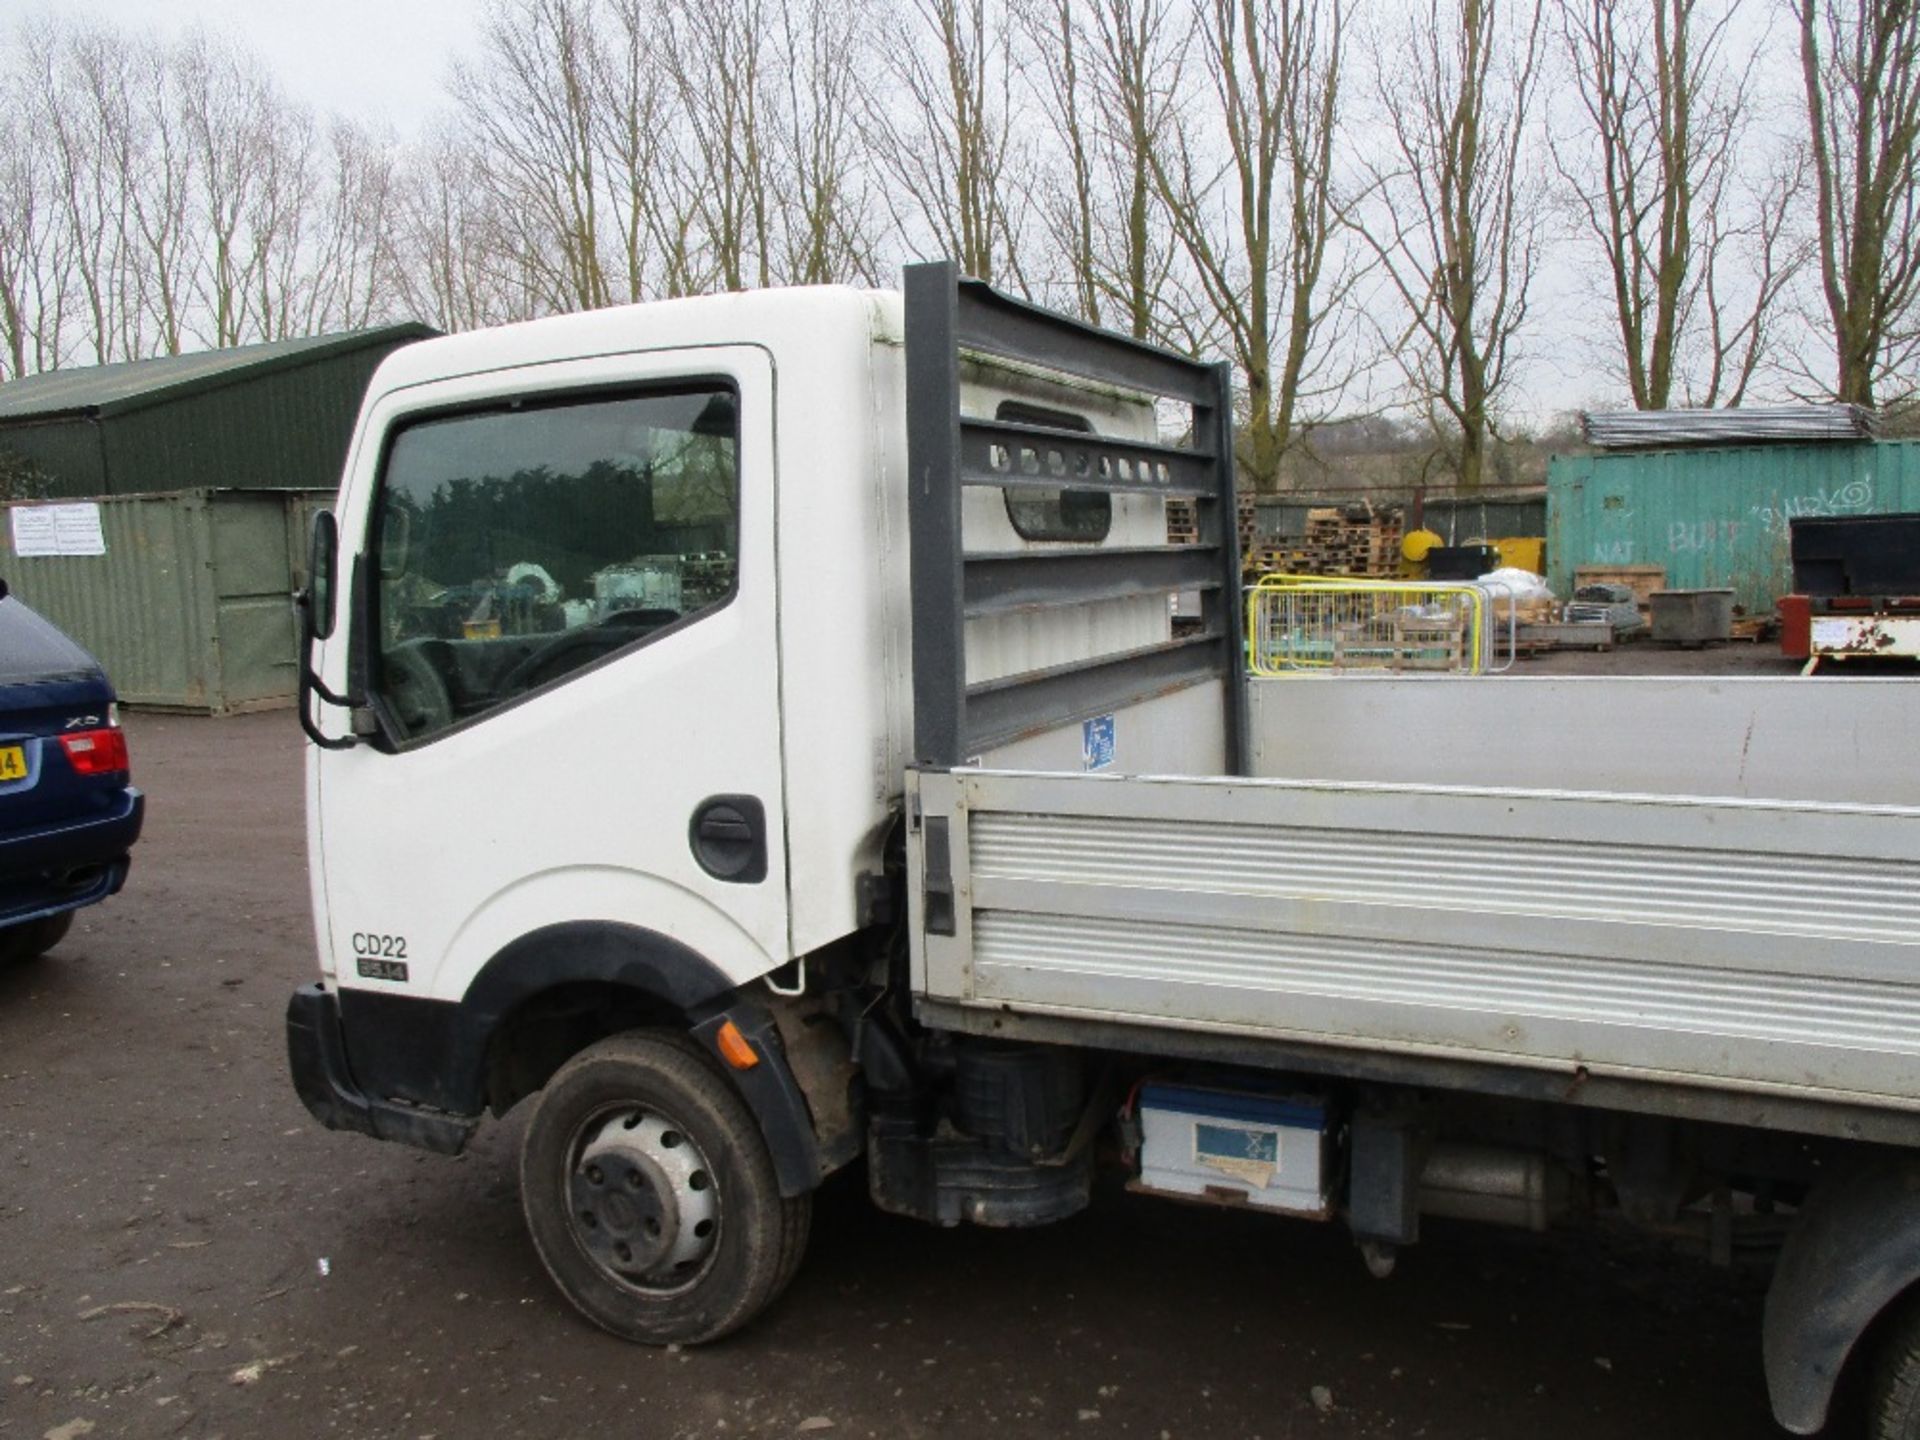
(33, 649)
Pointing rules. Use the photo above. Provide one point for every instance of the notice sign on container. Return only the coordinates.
(57, 530)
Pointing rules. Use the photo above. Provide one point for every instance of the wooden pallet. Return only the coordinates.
(1183, 522)
(1358, 540)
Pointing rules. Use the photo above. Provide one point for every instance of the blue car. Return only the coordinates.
(68, 812)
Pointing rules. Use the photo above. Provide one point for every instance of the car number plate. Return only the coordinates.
(13, 763)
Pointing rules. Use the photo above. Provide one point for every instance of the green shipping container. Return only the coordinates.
(1715, 517)
(190, 607)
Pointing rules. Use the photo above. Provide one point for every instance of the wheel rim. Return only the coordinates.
(642, 1202)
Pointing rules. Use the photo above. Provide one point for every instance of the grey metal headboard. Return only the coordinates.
(947, 452)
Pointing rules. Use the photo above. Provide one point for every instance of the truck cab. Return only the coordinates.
(611, 692)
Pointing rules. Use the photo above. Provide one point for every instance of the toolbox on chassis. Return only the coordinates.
(752, 731)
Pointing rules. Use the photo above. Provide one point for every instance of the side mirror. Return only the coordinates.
(316, 601)
(315, 604)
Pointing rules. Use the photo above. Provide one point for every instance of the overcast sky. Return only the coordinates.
(377, 60)
(387, 61)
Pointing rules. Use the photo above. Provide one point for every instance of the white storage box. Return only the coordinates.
(1245, 1146)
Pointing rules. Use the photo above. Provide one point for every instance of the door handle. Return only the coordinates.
(728, 836)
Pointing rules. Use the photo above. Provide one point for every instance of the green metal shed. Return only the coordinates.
(277, 416)
(1716, 517)
(189, 608)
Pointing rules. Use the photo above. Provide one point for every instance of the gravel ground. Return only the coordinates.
(184, 1253)
(1643, 657)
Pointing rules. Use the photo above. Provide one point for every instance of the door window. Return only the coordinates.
(516, 546)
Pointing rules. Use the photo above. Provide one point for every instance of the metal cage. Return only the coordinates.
(1300, 624)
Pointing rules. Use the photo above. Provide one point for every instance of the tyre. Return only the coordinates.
(650, 1196)
(35, 938)
(1893, 1394)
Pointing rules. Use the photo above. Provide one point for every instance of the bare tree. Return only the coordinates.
(1106, 78)
(714, 52)
(943, 135)
(1860, 63)
(83, 78)
(1654, 172)
(530, 104)
(251, 165)
(1459, 227)
(459, 267)
(1277, 71)
(291, 259)
(153, 197)
(823, 201)
(152, 164)
(351, 278)
(1758, 240)
(652, 191)
(35, 260)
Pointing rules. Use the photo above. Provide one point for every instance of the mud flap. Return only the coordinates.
(1854, 1250)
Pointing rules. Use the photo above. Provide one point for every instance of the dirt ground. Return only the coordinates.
(183, 1252)
(1643, 657)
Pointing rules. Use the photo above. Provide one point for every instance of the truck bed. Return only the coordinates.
(1742, 943)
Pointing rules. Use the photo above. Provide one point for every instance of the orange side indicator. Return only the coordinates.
(735, 1048)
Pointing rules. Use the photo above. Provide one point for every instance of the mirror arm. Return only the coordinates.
(312, 688)
(345, 702)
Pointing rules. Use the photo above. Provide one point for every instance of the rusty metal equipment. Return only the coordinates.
(1856, 583)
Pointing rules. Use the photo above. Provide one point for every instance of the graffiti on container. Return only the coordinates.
(1613, 552)
(1853, 498)
(1685, 537)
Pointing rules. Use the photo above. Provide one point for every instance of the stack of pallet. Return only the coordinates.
(1345, 540)
(1183, 521)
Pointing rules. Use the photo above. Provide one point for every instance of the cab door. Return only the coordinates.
(561, 621)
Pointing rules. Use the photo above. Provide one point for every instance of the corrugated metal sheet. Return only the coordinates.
(281, 422)
(69, 452)
(188, 609)
(1716, 517)
(281, 430)
(109, 389)
(1741, 425)
(1628, 933)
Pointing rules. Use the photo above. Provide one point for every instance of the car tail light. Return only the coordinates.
(97, 752)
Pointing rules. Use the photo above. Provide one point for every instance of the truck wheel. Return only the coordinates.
(1894, 1397)
(651, 1197)
(35, 938)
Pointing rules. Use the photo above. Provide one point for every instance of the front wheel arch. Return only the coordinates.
(551, 994)
(639, 975)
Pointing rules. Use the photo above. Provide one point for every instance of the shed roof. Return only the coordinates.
(104, 390)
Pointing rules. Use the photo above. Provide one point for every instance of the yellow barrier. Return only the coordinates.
(1300, 624)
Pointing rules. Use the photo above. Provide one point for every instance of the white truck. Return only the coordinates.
(916, 833)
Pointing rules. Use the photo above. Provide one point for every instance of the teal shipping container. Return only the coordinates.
(1715, 517)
